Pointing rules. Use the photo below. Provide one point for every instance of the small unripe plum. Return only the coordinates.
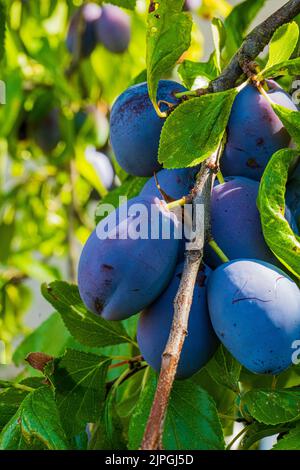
(155, 324)
(235, 222)
(46, 131)
(254, 308)
(113, 29)
(121, 273)
(135, 127)
(82, 36)
(255, 132)
(175, 183)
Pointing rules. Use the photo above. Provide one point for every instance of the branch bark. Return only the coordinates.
(254, 43)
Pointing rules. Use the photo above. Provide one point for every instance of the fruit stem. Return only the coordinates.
(264, 93)
(186, 93)
(179, 203)
(220, 177)
(213, 244)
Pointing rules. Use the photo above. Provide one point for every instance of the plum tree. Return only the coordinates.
(255, 132)
(235, 222)
(254, 308)
(155, 323)
(113, 29)
(175, 183)
(46, 131)
(82, 37)
(121, 273)
(135, 127)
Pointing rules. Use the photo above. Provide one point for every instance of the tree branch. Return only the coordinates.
(254, 43)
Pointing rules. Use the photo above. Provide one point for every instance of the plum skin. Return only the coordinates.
(293, 195)
(235, 222)
(46, 131)
(175, 183)
(113, 29)
(254, 308)
(255, 132)
(119, 277)
(135, 127)
(91, 13)
(155, 324)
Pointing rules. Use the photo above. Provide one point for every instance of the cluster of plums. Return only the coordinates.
(92, 24)
(249, 303)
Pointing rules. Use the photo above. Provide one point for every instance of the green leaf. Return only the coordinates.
(36, 425)
(283, 44)
(130, 4)
(290, 120)
(50, 338)
(219, 38)
(289, 67)
(108, 432)
(238, 22)
(79, 381)
(168, 37)
(195, 129)
(257, 431)
(189, 71)
(10, 400)
(279, 236)
(273, 406)
(130, 188)
(224, 369)
(290, 441)
(84, 326)
(192, 421)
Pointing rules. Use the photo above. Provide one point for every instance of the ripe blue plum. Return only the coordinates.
(155, 324)
(255, 132)
(82, 36)
(121, 273)
(175, 183)
(113, 29)
(135, 127)
(254, 309)
(235, 222)
(46, 131)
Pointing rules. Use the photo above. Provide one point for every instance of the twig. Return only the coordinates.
(254, 43)
(201, 194)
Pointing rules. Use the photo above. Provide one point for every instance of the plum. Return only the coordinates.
(235, 222)
(121, 273)
(82, 36)
(254, 308)
(135, 127)
(175, 183)
(46, 131)
(155, 323)
(255, 132)
(113, 29)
